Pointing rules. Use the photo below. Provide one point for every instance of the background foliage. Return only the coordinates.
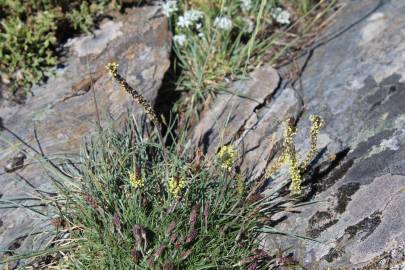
(32, 30)
(222, 40)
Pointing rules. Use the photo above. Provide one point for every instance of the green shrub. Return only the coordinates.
(30, 31)
(27, 50)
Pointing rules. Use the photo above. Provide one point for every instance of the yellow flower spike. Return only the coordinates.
(289, 133)
(227, 156)
(316, 124)
(289, 154)
(112, 67)
(240, 184)
(295, 175)
(176, 185)
(136, 180)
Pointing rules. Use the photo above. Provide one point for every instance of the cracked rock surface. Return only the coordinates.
(355, 80)
(62, 112)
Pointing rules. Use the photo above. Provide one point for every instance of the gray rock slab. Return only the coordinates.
(356, 83)
(231, 109)
(63, 110)
(354, 78)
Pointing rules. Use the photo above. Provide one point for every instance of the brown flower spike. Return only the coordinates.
(113, 69)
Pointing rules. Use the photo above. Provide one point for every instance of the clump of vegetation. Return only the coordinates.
(214, 40)
(132, 210)
(135, 203)
(31, 30)
(217, 41)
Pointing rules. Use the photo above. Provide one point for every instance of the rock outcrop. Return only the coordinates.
(354, 78)
(72, 105)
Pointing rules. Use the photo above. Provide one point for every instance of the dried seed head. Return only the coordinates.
(239, 236)
(139, 234)
(244, 261)
(174, 238)
(136, 230)
(90, 200)
(206, 211)
(191, 237)
(168, 266)
(253, 266)
(138, 172)
(143, 234)
(186, 253)
(196, 163)
(159, 251)
(178, 244)
(117, 221)
(113, 69)
(57, 222)
(136, 255)
(254, 260)
(260, 253)
(144, 201)
(254, 198)
(194, 214)
(170, 228)
(150, 262)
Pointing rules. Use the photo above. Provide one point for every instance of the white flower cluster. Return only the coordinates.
(180, 39)
(281, 16)
(249, 25)
(246, 5)
(169, 7)
(189, 18)
(224, 23)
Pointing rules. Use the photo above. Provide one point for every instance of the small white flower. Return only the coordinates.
(281, 16)
(201, 35)
(180, 39)
(184, 22)
(246, 5)
(193, 15)
(169, 7)
(249, 25)
(189, 18)
(223, 23)
(198, 26)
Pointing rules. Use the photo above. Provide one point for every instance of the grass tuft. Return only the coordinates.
(135, 203)
(122, 212)
(222, 40)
